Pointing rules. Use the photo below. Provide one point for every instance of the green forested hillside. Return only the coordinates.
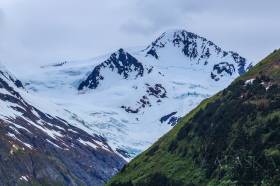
(232, 138)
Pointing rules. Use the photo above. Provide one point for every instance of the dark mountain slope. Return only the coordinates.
(40, 149)
(121, 62)
(232, 138)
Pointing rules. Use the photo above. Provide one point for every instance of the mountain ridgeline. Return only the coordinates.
(132, 97)
(232, 138)
(195, 48)
(123, 62)
(198, 50)
(37, 148)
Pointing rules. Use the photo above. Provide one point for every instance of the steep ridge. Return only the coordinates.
(197, 49)
(121, 61)
(130, 97)
(231, 138)
(42, 149)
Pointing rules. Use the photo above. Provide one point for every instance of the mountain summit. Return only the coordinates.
(130, 97)
(122, 62)
(196, 48)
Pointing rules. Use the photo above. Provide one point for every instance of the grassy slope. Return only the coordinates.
(229, 139)
(269, 66)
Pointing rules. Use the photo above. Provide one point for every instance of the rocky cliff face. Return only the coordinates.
(121, 63)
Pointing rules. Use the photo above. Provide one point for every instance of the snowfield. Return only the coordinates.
(132, 98)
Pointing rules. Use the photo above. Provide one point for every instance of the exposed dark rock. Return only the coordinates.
(187, 41)
(120, 62)
(241, 61)
(130, 110)
(198, 50)
(170, 119)
(220, 69)
(155, 91)
(123, 153)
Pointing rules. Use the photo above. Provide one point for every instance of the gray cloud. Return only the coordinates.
(47, 31)
(154, 16)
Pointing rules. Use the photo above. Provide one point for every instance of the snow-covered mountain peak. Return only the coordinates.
(188, 42)
(139, 95)
(121, 63)
(196, 50)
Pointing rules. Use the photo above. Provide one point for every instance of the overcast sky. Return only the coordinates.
(47, 31)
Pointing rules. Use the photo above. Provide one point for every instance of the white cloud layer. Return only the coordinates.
(47, 31)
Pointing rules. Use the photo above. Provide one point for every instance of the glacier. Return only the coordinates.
(132, 97)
